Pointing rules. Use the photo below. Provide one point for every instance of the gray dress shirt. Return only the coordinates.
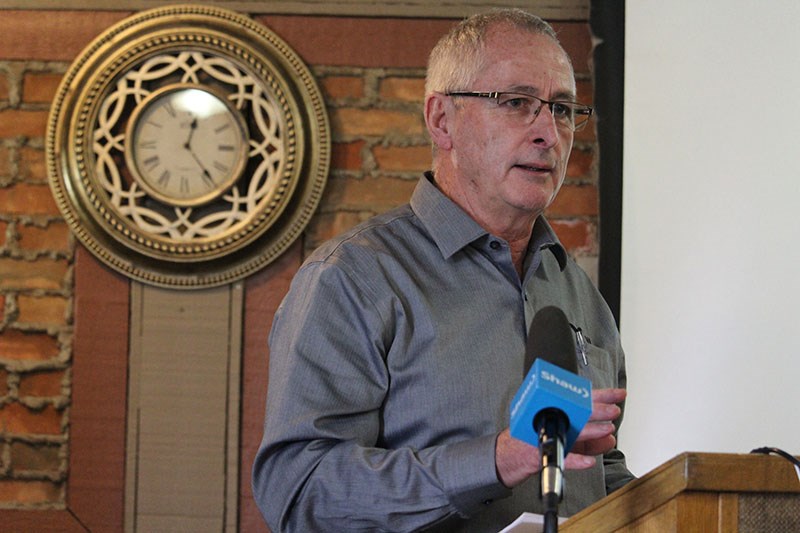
(393, 361)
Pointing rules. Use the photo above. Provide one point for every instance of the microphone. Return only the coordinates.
(553, 403)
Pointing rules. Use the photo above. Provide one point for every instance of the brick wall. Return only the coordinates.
(35, 296)
(373, 86)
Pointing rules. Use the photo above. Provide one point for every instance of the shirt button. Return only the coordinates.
(494, 245)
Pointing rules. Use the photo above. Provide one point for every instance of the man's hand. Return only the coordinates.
(516, 460)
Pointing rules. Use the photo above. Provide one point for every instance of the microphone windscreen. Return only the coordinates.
(551, 338)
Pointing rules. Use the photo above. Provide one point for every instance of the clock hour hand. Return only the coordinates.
(192, 127)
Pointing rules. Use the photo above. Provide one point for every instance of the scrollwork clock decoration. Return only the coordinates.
(188, 146)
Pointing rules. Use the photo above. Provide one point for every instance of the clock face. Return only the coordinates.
(186, 145)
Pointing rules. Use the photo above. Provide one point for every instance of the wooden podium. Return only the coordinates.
(701, 493)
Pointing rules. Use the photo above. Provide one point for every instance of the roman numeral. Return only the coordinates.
(164, 178)
(169, 109)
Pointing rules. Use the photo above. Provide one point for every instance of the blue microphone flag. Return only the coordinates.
(548, 386)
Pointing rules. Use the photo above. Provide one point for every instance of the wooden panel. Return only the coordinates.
(553, 9)
(728, 512)
(698, 472)
(183, 409)
(698, 512)
(264, 292)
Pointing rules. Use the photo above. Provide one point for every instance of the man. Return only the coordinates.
(396, 353)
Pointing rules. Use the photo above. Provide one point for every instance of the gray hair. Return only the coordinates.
(457, 58)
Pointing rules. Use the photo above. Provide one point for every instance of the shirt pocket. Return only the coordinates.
(600, 370)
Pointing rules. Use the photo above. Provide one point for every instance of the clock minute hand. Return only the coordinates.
(188, 145)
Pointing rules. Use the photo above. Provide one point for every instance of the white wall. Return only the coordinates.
(711, 228)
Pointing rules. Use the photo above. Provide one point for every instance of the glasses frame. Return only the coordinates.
(580, 109)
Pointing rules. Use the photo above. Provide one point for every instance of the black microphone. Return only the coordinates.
(553, 403)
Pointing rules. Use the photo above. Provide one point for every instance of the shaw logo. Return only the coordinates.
(583, 392)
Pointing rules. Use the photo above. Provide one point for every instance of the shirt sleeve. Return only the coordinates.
(322, 465)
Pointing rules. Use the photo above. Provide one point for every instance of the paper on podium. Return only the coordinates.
(527, 523)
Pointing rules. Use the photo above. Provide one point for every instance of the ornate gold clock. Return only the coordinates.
(188, 146)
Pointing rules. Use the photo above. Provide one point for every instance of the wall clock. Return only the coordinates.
(188, 146)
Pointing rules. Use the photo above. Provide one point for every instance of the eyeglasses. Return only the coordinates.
(526, 107)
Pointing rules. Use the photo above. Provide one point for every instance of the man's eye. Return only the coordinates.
(517, 102)
(561, 110)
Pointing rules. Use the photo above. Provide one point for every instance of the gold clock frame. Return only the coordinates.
(114, 219)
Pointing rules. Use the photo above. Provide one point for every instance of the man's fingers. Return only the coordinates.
(595, 446)
(609, 395)
(574, 461)
(595, 430)
(604, 404)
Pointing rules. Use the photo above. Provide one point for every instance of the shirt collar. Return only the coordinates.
(452, 228)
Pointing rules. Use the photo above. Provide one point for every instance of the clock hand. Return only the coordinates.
(188, 145)
(192, 127)
(206, 174)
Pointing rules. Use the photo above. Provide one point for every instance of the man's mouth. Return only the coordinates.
(535, 168)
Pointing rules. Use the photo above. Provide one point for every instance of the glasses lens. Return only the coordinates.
(525, 108)
(582, 116)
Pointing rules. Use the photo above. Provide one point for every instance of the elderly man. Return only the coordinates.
(400, 345)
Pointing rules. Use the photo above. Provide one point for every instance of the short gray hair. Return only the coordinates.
(457, 58)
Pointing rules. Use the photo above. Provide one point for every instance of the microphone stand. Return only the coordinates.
(552, 428)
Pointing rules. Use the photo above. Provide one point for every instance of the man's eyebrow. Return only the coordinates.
(561, 96)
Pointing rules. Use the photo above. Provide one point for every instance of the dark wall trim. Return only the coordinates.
(607, 21)
(547, 9)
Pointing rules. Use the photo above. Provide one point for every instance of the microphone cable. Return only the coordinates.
(768, 450)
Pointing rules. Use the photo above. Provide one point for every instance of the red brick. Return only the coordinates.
(339, 87)
(347, 156)
(403, 89)
(4, 86)
(5, 161)
(575, 200)
(42, 273)
(20, 419)
(15, 122)
(60, 35)
(588, 134)
(27, 199)
(42, 310)
(3, 382)
(376, 122)
(359, 41)
(29, 492)
(372, 194)
(403, 158)
(32, 165)
(21, 346)
(585, 91)
(580, 164)
(575, 235)
(41, 384)
(40, 87)
(54, 237)
(575, 37)
(3, 230)
(35, 457)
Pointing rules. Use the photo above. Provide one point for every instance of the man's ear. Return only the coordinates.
(437, 114)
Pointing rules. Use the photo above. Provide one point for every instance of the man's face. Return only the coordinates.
(512, 169)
